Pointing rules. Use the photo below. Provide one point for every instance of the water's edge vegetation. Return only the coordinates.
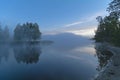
(107, 35)
(109, 26)
(28, 32)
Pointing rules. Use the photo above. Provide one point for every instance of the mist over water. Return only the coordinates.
(59, 39)
(68, 57)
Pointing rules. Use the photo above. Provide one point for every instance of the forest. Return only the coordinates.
(109, 26)
(22, 33)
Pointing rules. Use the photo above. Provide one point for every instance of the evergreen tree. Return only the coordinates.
(109, 26)
(1, 34)
(27, 32)
(4, 34)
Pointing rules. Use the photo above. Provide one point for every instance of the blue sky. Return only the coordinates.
(53, 15)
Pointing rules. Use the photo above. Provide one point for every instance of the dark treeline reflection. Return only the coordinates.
(25, 52)
(103, 56)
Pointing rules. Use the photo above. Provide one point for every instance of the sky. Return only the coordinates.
(54, 16)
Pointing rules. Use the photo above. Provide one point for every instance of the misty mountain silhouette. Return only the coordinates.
(68, 40)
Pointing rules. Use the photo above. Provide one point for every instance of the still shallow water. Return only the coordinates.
(68, 58)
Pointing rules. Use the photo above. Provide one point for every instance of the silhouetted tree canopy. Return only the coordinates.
(114, 6)
(27, 32)
(109, 26)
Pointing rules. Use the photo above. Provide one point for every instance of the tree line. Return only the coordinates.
(109, 26)
(4, 34)
(24, 32)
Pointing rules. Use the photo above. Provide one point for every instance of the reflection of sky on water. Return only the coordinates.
(81, 54)
(70, 57)
(87, 49)
(73, 48)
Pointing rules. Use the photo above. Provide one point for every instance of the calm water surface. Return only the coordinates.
(69, 57)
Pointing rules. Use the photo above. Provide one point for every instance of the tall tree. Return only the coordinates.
(114, 6)
(109, 26)
(6, 33)
(27, 32)
(1, 34)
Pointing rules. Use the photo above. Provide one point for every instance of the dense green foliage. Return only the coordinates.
(27, 32)
(109, 26)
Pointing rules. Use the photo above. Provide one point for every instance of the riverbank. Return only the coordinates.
(112, 70)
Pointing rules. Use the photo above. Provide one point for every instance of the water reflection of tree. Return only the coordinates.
(27, 53)
(4, 51)
(103, 56)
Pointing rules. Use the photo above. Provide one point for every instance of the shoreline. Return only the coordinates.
(112, 69)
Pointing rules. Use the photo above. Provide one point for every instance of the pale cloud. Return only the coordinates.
(86, 19)
(72, 24)
(93, 17)
(85, 27)
(87, 32)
